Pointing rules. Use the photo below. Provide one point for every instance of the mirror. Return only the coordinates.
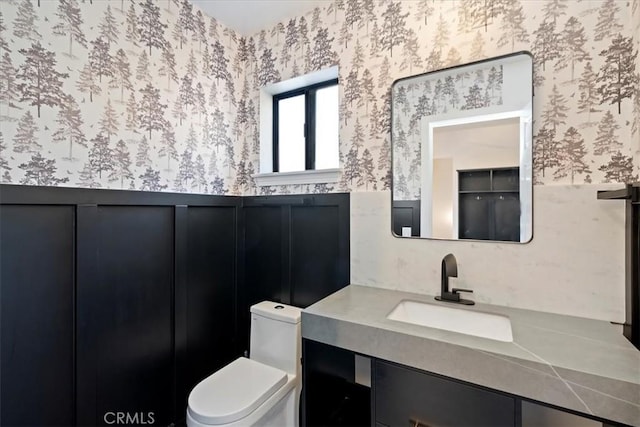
(461, 142)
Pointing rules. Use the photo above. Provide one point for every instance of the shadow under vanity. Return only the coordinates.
(363, 368)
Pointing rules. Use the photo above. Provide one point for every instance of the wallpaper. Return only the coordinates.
(116, 94)
(635, 127)
(586, 104)
(155, 95)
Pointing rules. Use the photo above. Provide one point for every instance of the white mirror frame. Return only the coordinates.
(526, 171)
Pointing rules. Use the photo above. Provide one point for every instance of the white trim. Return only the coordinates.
(266, 132)
(322, 176)
(302, 81)
(525, 171)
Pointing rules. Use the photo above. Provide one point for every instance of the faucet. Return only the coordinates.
(450, 269)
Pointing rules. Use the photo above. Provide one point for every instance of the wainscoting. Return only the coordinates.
(118, 301)
(296, 249)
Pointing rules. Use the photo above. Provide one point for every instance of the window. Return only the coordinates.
(302, 115)
(305, 128)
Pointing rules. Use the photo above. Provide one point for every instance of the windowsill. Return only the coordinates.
(321, 176)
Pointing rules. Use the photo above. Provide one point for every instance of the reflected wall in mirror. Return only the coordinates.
(462, 152)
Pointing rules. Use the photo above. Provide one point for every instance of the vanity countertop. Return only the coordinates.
(574, 363)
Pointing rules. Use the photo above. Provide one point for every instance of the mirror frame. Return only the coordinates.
(526, 144)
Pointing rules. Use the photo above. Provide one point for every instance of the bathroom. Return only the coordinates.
(141, 217)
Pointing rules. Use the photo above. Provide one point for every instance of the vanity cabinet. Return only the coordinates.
(330, 394)
(444, 378)
(338, 392)
(407, 397)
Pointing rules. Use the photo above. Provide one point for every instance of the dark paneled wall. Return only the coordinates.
(296, 250)
(126, 313)
(118, 301)
(37, 299)
(112, 301)
(406, 213)
(211, 272)
(316, 246)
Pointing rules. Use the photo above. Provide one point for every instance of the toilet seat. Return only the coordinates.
(234, 391)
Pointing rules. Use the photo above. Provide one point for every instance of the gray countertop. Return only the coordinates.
(569, 362)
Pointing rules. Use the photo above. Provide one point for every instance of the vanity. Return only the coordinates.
(368, 361)
(462, 169)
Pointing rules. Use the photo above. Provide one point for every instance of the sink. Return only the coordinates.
(485, 325)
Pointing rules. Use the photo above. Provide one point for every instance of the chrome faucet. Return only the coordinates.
(450, 269)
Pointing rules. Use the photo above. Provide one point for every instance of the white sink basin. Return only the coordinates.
(485, 325)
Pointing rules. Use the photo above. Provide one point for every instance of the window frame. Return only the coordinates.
(309, 93)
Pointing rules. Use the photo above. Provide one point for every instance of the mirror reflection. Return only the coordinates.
(462, 152)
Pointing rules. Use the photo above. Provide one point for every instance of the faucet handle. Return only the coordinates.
(456, 290)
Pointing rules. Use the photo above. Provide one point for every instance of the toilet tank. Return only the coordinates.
(276, 336)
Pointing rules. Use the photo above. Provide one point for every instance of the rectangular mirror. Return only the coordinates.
(461, 141)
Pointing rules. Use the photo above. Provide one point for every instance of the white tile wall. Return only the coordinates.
(574, 265)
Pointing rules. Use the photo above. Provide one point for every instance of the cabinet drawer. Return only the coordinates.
(404, 396)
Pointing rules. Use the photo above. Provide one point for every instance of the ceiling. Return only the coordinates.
(475, 140)
(250, 16)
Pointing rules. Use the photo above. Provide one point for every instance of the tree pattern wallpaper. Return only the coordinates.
(587, 76)
(155, 95)
(116, 94)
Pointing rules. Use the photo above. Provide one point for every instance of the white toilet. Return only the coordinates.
(263, 390)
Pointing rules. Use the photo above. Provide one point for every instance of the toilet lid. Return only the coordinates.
(234, 391)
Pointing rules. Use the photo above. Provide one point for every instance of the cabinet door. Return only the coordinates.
(404, 397)
(474, 216)
(507, 217)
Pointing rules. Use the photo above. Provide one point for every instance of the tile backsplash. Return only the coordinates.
(574, 265)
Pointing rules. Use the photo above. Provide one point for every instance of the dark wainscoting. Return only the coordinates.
(113, 301)
(36, 324)
(121, 301)
(296, 250)
(125, 312)
(406, 213)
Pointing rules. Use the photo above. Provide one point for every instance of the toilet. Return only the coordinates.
(263, 390)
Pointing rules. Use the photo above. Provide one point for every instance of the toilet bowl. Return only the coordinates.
(263, 390)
